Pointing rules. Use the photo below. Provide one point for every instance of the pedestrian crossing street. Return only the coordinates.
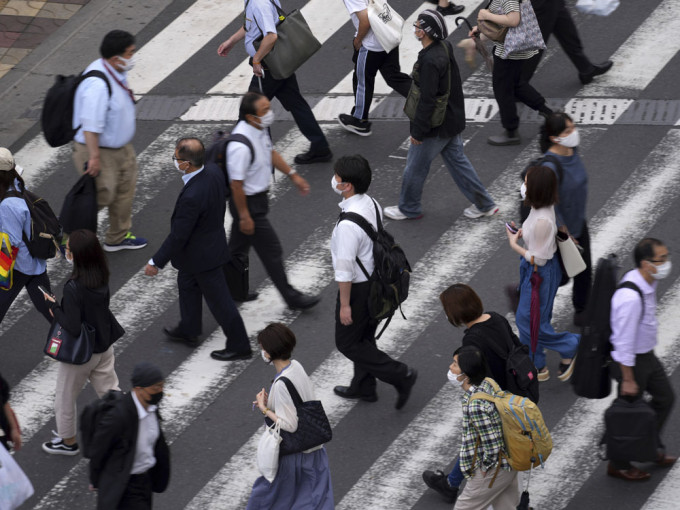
(377, 454)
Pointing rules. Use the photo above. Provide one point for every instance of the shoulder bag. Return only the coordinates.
(313, 428)
(571, 258)
(386, 24)
(440, 102)
(15, 487)
(64, 347)
(527, 35)
(492, 30)
(295, 44)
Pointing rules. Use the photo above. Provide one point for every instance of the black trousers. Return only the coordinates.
(288, 93)
(583, 281)
(510, 85)
(211, 285)
(138, 494)
(366, 66)
(357, 343)
(554, 18)
(651, 377)
(31, 282)
(264, 240)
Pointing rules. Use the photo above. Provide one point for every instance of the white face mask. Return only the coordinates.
(265, 356)
(571, 140)
(662, 271)
(68, 257)
(415, 32)
(177, 167)
(523, 191)
(267, 119)
(334, 185)
(453, 379)
(127, 63)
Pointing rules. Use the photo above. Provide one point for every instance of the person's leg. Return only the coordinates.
(651, 377)
(239, 243)
(567, 35)
(504, 80)
(418, 162)
(70, 382)
(7, 297)
(477, 495)
(365, 68)
(390, 69)
(523, 313)
(103, 376)
(507, 497)
(138, 494)
(124, 161)
(36, 294)
(190, 305)
(583, 280)
(213, 285)
(464, 174)
(455, 477)
(524, 91)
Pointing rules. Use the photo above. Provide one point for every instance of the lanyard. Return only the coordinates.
(127, 89)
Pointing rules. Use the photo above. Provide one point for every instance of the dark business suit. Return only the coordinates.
(113, 455)
(197, 247)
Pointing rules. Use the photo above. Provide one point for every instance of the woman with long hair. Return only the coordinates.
(85, 300)
(538, 254)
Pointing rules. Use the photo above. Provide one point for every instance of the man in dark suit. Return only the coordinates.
(197, 248)
(130, 459)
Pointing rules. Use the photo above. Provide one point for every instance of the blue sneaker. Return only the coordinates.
(130, 242)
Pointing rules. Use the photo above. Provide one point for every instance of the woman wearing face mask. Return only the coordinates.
(303, 480)
(538, 254)
(85, 300)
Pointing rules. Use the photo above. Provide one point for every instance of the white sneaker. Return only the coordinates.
(473, 212)
(394, 213)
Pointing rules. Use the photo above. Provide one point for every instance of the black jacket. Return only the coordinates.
(432, 78)
(197, 240)
(113, 453)
(80, 304)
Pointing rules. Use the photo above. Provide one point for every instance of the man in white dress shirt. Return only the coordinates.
(354, 328)
(104, 112)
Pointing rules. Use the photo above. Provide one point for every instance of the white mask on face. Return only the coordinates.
(127, 63)
(265, 356)
(68, 257)
(571, 140)
(523, 191)
(334, 185)
(453, 379)
(177, 167)
(662, 271)
(267, 119)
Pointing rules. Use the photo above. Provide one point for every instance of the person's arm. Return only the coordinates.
(224, 48)
(185, 218)
(238, 195)
(14, 429)
(95, 103)
(344, 260)
(429, 85)
(68, 315)
(626, 312)
(266, 46)
(364, 27)
(93, 163)
(345, 290)
(281, 165)
(238, 161)
(511, 19)
(286, 413)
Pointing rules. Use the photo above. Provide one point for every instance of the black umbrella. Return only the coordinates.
(479, 45)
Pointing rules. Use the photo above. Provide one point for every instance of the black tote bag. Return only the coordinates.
(64, 347)
(80, 206)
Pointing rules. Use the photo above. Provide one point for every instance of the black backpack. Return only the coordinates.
(46, 231)
(57, 112)
(591, 378)
(392, 273)
(216, 154)
(92, 415)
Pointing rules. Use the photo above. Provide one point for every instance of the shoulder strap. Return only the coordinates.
(297, 400)
(448, 61)
(282, 15)
(633, 286)
(365, 225)
(558, 167)
(238, 137)
(97, 74)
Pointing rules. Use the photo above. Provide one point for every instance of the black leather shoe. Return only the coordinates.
(175, 336)
(343, 391)
(597, 70)
(406, 387)
(450, 9)
(303, 302)
(252, 296)
(309, 157)
(225, 355)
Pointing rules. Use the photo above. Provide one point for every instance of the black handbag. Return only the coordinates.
(64, 347)
(631, 431)
(238, 277)
(313, 429)
(80, 206)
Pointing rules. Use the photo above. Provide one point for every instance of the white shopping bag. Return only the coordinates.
(598, 7)
(15, 487)
(268, 451)
(386, 24)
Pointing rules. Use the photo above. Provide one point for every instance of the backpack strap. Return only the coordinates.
(366, 226)
(633, 286)
(549, 158)
(238, 137)
(97, 74)
(297, 400)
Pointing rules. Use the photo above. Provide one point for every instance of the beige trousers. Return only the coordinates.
(71, 380)
(116, 185)
(476, 495)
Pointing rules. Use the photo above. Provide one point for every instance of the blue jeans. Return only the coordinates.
(565, 343)
(418, 162)
(455, 477)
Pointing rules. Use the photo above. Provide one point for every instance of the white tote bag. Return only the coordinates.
(598, 7)
(571, 257)
(386, 24)
(268, 451)
(15, 487)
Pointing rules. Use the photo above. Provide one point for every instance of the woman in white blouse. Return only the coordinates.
(303, 480)
(538, 232)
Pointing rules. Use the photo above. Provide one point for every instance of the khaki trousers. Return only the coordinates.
(116, 185)
(71, 380)
(476, 495)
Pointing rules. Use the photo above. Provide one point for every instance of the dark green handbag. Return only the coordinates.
(440, 102)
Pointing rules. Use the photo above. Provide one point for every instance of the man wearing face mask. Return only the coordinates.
(130, 458)
(249, 204)
(104, 114)
(197, 248)
(634, 336)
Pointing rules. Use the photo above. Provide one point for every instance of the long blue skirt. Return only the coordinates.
(303, 482)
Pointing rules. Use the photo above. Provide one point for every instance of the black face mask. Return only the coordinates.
(155, 398)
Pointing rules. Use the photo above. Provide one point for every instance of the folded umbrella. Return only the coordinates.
(535, 308)
(479, 44)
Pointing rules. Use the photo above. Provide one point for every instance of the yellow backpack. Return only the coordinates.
(527, 439)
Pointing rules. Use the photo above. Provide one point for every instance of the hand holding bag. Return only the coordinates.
(527, 35)
(268, 451)
(386, 24)
(492, 30)
(15, 487)
(571, 257)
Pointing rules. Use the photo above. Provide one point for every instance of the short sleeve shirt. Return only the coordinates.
(370, 42)
(260, 18)
(506, 7)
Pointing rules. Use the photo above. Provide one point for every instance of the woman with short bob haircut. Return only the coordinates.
(538, 254)
(303, 480)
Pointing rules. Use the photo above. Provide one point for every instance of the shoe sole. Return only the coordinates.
(372, 398)
(503, 144)
(404, 218)
(235, 358)
(474, 216)
(322, 159)
(354, 129)
(568, 373)
(60, 452)
(109, 248)
(543, 378)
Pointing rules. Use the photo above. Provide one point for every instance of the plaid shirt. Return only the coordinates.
(481, 423)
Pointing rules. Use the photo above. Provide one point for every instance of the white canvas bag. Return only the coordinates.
(15, 487)
(386, 24)
(268, 451)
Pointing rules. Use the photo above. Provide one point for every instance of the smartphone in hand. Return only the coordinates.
(511, 229)
(46, 292)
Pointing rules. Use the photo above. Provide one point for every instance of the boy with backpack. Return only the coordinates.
(352, 251)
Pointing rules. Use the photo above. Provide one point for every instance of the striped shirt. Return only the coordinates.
(506, 7)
